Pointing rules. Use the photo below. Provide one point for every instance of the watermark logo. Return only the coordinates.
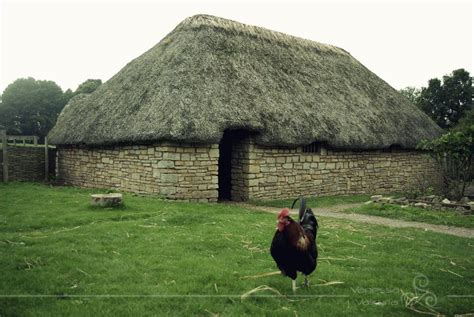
(421, 300)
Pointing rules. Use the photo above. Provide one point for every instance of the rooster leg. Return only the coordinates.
(293, 286)
(306, 282)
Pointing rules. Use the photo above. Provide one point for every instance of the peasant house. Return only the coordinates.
(221, 110)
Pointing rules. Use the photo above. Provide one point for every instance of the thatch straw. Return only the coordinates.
(211, 74)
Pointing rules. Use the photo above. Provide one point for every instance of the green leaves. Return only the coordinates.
(446, 102)
(30, 106)
(454, 152)
(88, 87)
(411, 93)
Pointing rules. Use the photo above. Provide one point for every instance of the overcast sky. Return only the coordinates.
(405, 43)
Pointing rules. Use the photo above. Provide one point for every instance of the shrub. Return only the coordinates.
(453, 152)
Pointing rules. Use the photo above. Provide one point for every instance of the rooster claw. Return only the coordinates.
(306, 282)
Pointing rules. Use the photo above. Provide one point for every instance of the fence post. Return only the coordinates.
(46, 159)
(5, 158)
(35, 140)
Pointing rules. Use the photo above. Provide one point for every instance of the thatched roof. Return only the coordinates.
(211, 74)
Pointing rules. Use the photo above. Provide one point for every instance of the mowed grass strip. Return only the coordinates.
(201, 256)
(437, 217)
(432, 216)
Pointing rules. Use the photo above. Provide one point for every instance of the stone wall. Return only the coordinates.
(265, 173)
(190, 172)
(26, 163)
(186, 172)
(241, 175)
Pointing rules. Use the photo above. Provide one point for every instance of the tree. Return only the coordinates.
(411, 93)
(31, 107)
(68, 94)
(88, 87)
(466, 121)
(446, 102)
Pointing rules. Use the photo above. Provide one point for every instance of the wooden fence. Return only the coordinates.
(22, 158)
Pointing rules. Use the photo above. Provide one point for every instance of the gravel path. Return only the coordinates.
(334, 212)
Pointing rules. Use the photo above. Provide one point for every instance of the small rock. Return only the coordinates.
(429, 198)
(375, 198)
(471, 205)
(464, 200)
(106, 200)
(385, 200)
(437, 206)
(421, 205)
(446, 201)
(400, 201)
(404, 206)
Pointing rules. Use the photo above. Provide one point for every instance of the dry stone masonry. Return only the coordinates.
(185, 172)
(265, 173)
(190, 172)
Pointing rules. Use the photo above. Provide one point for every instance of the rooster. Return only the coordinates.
(294, 244)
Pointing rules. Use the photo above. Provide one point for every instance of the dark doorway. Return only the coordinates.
(226, 148)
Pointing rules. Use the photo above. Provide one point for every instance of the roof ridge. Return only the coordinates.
(199, 20)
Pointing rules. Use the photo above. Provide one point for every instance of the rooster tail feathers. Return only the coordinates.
(309, 221)
(302, 206)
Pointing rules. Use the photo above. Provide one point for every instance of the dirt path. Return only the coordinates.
(334, 212)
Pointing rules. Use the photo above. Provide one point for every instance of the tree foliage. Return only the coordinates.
(447, 101)
(411, 93)
(466, 121)
(454, 153)
(88, 87)
(31, 107)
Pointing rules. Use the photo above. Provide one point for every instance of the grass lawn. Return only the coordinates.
(155, 257)
(437, 217)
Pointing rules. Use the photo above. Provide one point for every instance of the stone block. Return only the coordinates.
(165, 164)
(169, 178)
(271, 179)
(172, 156)
(253, 182)
(167, 190)
(214, 153)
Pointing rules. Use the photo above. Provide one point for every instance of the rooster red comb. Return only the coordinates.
(284, 213)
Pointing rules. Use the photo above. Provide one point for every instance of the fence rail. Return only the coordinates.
(4, 156)
(23, 139)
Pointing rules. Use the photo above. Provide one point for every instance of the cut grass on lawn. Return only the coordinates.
(437, 217)
(154, 257)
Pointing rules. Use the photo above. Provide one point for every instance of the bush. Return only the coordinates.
(453, 152)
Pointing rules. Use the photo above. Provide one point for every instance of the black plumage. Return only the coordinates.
(294, 246)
